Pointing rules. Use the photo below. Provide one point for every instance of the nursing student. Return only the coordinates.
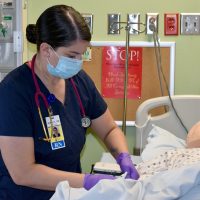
(52, 92)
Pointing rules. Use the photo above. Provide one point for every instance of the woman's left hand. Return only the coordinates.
(126, 165)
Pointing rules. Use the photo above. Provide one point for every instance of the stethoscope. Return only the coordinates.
(85, 121)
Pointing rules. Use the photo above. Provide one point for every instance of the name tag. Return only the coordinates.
(55, 132)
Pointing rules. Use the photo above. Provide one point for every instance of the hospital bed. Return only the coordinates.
(162, 112)
(187, 107)
(182, 184)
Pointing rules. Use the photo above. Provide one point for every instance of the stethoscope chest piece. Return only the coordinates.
(85, 122)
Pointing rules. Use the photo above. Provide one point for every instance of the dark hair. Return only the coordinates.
(59, 25)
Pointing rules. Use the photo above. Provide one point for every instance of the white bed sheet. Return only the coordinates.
(181, 184)
(159, 140)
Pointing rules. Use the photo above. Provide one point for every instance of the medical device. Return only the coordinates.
(107, 168)
(11, 41)
(85, 121)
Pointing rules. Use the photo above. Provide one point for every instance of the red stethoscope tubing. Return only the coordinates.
(78, 97)
(39, 93)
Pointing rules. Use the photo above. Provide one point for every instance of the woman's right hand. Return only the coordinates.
(91, 180)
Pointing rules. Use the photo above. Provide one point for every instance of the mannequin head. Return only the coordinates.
(193, 137)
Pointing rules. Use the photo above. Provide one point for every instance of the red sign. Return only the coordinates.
(113, 72)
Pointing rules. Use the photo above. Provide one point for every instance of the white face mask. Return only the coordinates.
(66, 67)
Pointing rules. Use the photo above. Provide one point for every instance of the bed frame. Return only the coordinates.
(187, 107)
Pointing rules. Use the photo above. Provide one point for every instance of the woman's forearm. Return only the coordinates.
(46, 178)
(116, 142)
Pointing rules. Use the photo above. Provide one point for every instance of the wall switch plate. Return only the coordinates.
(171, 23)
(134, 20)
(89, 20)
(190, 23)
(113, 23)
(151, 18)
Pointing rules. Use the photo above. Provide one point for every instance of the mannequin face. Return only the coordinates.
(193, 137)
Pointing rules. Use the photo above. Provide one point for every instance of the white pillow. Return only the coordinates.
(159, 141)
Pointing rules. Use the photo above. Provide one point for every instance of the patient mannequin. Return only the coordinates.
(176, 158)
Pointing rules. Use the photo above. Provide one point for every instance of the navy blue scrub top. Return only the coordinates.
(19, 117)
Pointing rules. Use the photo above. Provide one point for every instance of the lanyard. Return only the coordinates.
(38, 94)
(85, 121)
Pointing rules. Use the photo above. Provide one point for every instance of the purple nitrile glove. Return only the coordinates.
(126, 165)
(91, 180)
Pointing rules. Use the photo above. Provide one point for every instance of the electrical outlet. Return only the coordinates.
(134, 20)
(190, 23)
(171, 23)
(113, 24)
(151, 18)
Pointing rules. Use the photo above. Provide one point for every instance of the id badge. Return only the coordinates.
(56, 134)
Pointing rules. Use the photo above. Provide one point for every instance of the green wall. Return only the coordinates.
(187, 67)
